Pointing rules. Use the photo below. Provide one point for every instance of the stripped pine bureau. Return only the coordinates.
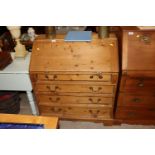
(75, 80)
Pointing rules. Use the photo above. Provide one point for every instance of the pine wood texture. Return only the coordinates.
(75, 88)
(136, 99)
(78, 112)
(44, 99)
(75, 80)
(75, 56)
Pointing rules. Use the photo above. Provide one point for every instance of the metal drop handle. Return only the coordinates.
(50, 77)
(94, 113)
(56, 109)
(140, 83)
(95, 89)
(97, 101)
(136, 100)
(145, 39)
(99, 75)
(53, 88)
(54, 100)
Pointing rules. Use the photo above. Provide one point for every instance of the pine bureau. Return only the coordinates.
(75, 80)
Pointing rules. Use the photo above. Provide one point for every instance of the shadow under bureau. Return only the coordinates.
(75, 80)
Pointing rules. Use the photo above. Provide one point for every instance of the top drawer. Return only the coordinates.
(138, 50)
(110, 78)
(72, 77)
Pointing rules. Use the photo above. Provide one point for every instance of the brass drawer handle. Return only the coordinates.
(94, 113)
(145, 39)
(53, 88)
(136, 100)
(95, 89)
(98, 75)
(54, 100)
(140, 83)
(50, 77)
(92, 101)
(55, 109)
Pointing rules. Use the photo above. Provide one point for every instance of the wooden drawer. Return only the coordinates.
(136, 100)
(138, 50)
(136, 113)
(97, 113)
(58, 100)
(136, 83)
(75, 77)
(75, 88)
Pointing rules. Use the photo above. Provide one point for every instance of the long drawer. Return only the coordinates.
(75, 88)
(75, 77)
(96, 113)
(136, 100)
(48, 100)
(138, 84)
(136, 113)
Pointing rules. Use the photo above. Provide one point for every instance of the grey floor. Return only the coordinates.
(25, 109)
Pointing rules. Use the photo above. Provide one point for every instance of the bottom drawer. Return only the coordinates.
(69, 112)
(136, 113)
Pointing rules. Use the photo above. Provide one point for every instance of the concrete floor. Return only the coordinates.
(25, 109)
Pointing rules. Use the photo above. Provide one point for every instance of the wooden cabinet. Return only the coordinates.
(75, 80)
(136, 99)
(138, 50)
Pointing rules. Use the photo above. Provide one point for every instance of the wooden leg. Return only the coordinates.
(117, 122)
(108, 123)
(32, 104)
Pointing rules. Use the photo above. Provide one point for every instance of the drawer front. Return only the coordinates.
(76, 77)
(136, 100)
(123, 113)
(139, 50)
(138, 84)
(76, 88)
(57, 100)
(96, 113)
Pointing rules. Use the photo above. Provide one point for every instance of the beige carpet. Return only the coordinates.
(25, 109)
